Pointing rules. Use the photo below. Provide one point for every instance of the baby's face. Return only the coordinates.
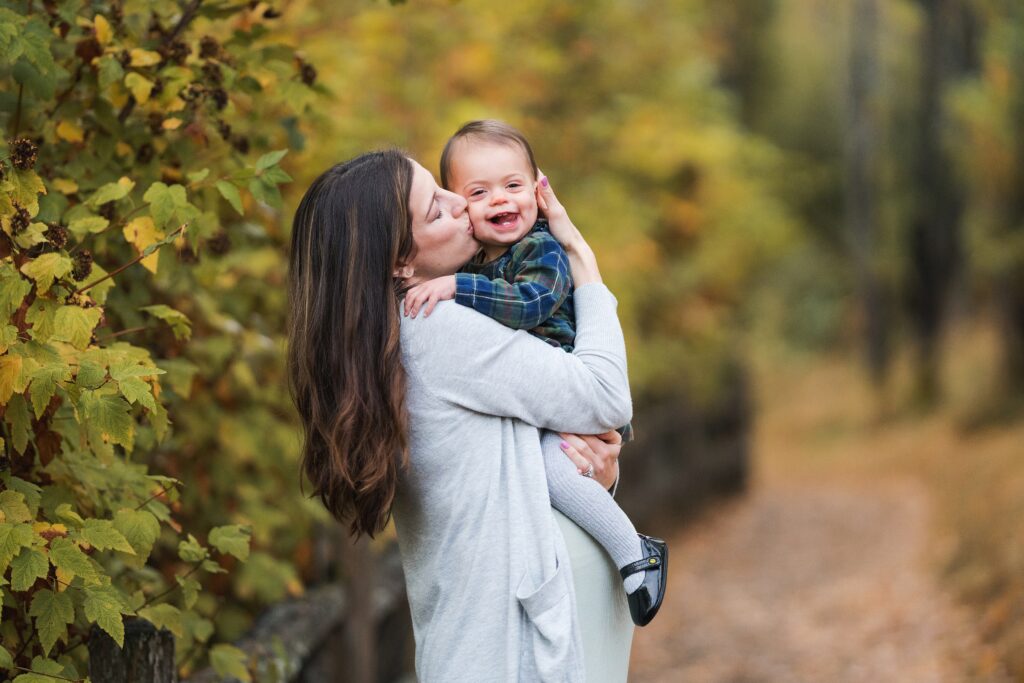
(500, 189)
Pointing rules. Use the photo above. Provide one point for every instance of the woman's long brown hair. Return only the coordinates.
(345, 371)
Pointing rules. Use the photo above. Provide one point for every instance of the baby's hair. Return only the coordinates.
(490, 130)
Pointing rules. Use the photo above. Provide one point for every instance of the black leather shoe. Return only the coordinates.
(645, 600)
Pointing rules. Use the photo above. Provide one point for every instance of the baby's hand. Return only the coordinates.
(429, 293)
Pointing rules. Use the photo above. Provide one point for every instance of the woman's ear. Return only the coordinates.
(403, 272)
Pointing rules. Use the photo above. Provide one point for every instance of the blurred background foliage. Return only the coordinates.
(766, 182)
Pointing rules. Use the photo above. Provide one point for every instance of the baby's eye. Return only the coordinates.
(515, 184)
(440, 212)
(477, 192)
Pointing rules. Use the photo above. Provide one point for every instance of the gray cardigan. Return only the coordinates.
(486, 567)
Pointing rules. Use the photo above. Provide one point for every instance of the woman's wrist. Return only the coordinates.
(582, 262)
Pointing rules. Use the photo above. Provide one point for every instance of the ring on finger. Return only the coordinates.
(590, 471)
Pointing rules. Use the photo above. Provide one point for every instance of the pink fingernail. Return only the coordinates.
(564, 444)
(544, 182)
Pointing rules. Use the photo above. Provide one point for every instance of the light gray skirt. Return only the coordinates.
(606, 627)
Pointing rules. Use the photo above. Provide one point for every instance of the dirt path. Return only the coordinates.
(806, 582)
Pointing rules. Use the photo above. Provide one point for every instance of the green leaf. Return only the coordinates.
(31, 491)
(21, 422)
(53, 612)
(232, 538)
(46, 670)
(102, 534)
(111, 415)
(164, 615)
(47, 267)
(165, 201)
(104, 606)
(44, 383)
(197, 176)
(90, 375)
(189, 590)
(136, 390)
(111, 71)
(230, 193)
(67, 513)
(69, 558)
(111, 192)
(27, 567)
(270, 158)
(98, 291)
(6, 661)
(140, 528)
(80, 227)
(13, 289)
(229, 662)
(24, 187)
(191, 550)
(8, 337)
(75, 324)
(13, 537)
(181, 326)
(266, 193)
(275, 175)
(42, 315)
(12, 504)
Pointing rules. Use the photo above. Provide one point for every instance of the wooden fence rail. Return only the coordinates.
(288, 643)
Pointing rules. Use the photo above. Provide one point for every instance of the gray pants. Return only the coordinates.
(606, 626)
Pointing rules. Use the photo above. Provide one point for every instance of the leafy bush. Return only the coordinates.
(142, 397)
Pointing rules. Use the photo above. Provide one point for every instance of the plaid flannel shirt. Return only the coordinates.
(529, 287)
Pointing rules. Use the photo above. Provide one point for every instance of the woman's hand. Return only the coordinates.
(581, 257)
(599, 450)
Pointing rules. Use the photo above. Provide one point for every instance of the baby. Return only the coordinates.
(521, 278)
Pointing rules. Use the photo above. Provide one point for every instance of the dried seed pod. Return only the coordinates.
(24, 153)
(219, 97)
(20, 220)
(188, 255)
(308, 73)
(212, 73)
(209, 48)
(57, 235)
(82, 265)
(107, 210)
(145, 153)
(158, 87)
(219, 244)
(222, 127)
(88, 49)
(241, 143)
(125, 58)
(176, 52)
(271, 13)
(156, 123)
(193, 92)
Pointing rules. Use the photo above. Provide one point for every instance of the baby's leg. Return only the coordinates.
(585, 502)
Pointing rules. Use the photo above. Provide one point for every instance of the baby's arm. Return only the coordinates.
(542, 283)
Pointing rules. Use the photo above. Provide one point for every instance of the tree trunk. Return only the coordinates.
(934, 238)
(147, 655)
(860, 185)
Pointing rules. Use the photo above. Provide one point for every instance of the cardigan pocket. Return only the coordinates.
(548, 636)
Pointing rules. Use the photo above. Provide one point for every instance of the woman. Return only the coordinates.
(437, 419)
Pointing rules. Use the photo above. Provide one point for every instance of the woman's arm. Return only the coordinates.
(470, 360)
(581, 257)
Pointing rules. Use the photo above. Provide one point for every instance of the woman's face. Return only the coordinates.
(440, 228)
